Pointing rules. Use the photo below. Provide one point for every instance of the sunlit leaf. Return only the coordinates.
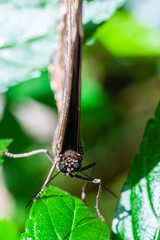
(29, 36)
(98, 11)
(58, 215)
(138, 213)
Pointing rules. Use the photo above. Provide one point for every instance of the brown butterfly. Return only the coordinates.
(65, 72)
(66, 84)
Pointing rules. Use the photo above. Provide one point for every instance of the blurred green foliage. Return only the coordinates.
(120, 90)
(123, 36)
(4, 143)
(8, 230)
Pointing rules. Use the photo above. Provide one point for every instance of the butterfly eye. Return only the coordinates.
(62, 168)
(76, 166)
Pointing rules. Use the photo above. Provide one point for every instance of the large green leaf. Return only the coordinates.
(138, 213)
(4, 143)
(8, 230)
(29, 37)
(58, 215)
(124, 36)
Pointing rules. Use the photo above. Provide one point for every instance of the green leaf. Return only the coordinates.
(123, 36)
(4, 143)
(29, 35)
(8, 230)
(58, 215)
(138, 213)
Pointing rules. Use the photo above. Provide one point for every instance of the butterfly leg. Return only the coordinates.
(97, 199)
(46, 181)
(28, 154)
(83, 195)
(97, 181)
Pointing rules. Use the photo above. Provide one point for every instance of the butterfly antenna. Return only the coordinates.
(53, 177)
(28, 203)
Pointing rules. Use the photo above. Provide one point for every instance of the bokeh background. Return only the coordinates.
(120, 91)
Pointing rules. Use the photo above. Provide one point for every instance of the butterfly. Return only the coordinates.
(65, 71)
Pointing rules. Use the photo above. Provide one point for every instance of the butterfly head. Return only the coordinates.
(70, 163)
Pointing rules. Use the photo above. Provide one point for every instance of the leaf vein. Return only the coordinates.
(74, 213)
(54, 229)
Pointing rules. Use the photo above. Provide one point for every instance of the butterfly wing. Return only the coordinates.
(67, 135)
